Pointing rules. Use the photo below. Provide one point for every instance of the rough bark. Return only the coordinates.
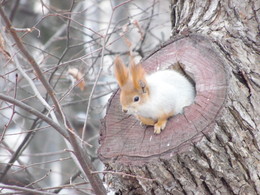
(226, 158)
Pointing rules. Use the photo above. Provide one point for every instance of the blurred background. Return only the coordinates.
(74, 43)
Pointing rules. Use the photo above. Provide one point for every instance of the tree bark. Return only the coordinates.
(214, 147)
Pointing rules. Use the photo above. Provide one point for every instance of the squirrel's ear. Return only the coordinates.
(121, 72)
(138, 76)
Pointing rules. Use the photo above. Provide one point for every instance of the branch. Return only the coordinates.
(125, 175)
(14, 157)
(81, 160)
(13, 111)
(34, 88)
(30, 59)
(24, 189)
(34, 112)
(19, 179)
(14, 9)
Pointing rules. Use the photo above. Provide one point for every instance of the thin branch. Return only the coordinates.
(16, 154)
(139, 50)
(34, 64)
(34, 112)
(18, 179)
(81, 159)
(125, 175)
(66, 183)
(24, 189)
(66, 48)
(38, 180)
(87, 99)
(29, 135)
(13, 111)
(14, 9)
(61, 187)
(60, 152)
(35, 89)
(105, 40)
(28, 131)
(26, 175)
(46, 162)
(58, 33)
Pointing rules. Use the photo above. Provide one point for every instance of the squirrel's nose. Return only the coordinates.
(124, 110)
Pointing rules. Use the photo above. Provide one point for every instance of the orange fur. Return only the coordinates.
(121, 72)
(161, 123)
(146, 121)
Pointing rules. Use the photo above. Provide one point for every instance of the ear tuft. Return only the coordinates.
(143, 86)
(138, 76)
(121, 72)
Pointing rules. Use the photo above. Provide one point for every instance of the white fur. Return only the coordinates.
(170, 91)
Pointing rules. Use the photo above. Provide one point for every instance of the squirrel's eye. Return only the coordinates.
(136, 98)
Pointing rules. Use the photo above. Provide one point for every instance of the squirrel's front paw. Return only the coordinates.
(159, 126)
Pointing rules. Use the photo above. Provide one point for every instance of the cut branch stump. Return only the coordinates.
(123, 138)
(193, 155)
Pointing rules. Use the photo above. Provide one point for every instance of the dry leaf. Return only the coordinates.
(78, 76)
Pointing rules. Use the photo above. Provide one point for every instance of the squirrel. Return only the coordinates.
(152, 98)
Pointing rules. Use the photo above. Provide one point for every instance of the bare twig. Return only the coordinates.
(124, 174)
(66, 48)
(24, 189)
(36, 91)
(18, 179)
(38, 180)
(73, 185)
(104, 44)
(14, 9)
(34, 112)
(81, 160)
(47, 162)
(67, 183)
(28, 136)
(13, 111)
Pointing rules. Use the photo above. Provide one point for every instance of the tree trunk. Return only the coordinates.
(214, 147)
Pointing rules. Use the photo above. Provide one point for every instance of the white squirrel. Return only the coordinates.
(152, 98)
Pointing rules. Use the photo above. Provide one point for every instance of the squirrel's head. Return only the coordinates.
(133, 85)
